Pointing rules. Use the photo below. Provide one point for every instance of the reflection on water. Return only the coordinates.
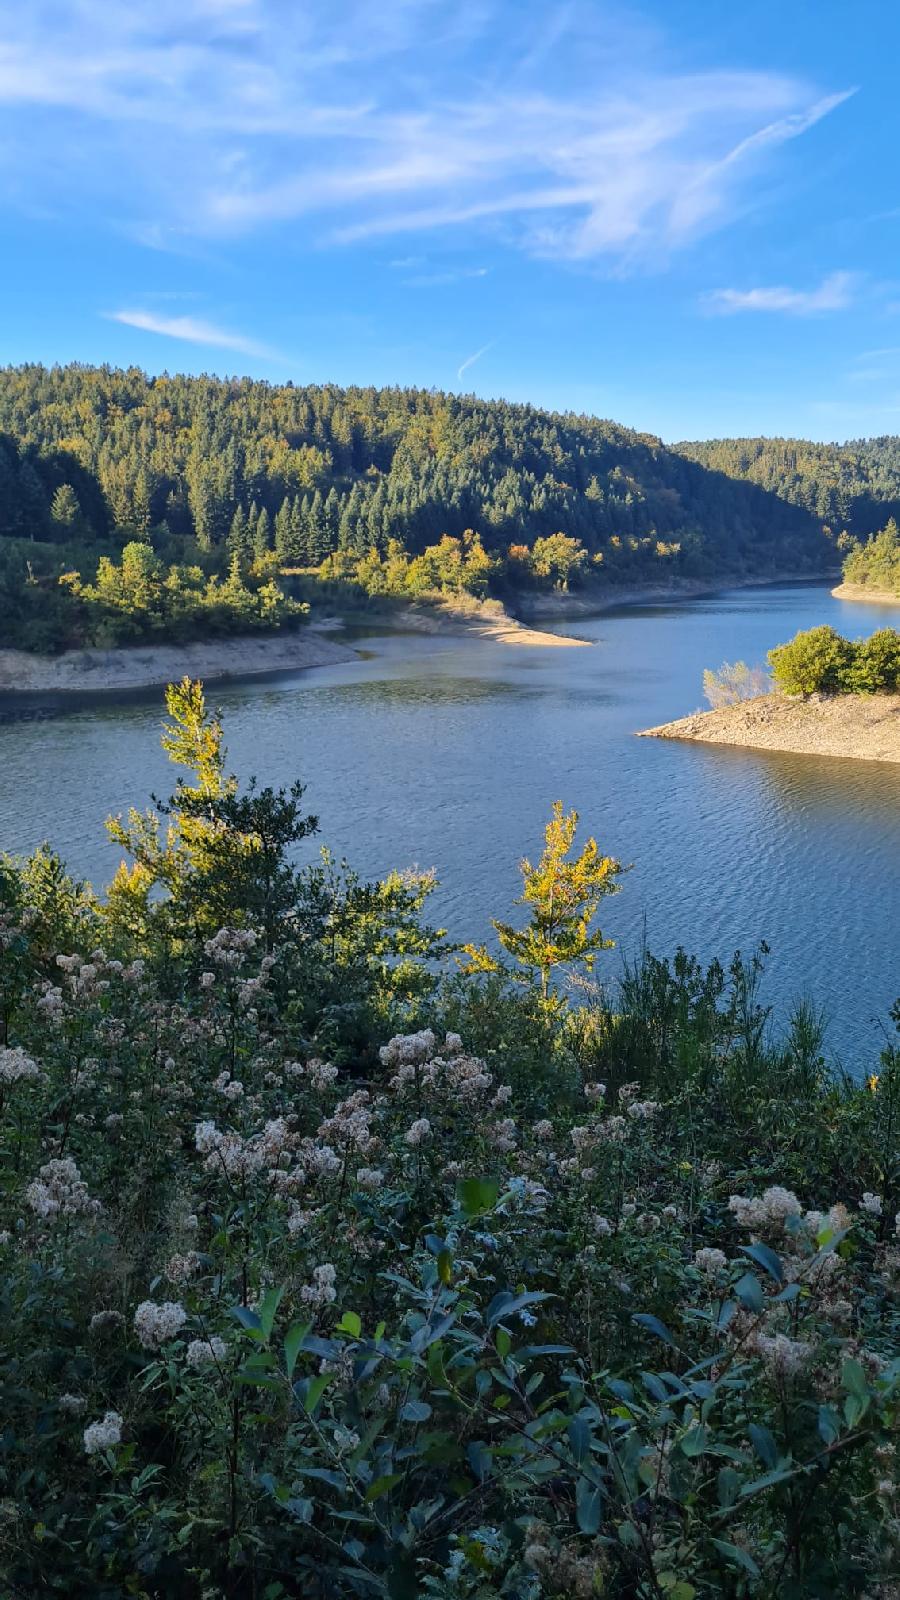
(434, 751)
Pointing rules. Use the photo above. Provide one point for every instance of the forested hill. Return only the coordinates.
(852, 487)
(95, 452)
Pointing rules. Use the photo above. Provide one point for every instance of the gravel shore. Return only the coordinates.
(862, 727)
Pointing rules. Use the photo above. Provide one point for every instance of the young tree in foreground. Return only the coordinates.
(564, 896)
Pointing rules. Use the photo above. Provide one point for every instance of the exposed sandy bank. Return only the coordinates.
(863, 727)
(488, 621)
(144, 666)
(861, 591)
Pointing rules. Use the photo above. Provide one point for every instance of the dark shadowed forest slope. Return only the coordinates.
(853, 487)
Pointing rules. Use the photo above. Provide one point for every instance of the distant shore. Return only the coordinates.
(608, 597)
(861, 591)
(859, 727)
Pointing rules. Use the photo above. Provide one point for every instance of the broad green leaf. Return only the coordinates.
(293, 1340)
(763, 1443)
(477, 1195)
(588, 1505)
(737, 1557)
(765, 1258)
(654, 1326)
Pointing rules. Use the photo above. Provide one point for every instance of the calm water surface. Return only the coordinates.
(448, 753)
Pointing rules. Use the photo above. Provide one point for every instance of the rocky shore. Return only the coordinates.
(869, 596)
(861, 727)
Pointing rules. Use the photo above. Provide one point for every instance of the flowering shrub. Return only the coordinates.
(414, 1321)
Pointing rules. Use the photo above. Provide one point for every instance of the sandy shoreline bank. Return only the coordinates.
(857, 727)
(871, 597)
(145, 666)
(94, 671)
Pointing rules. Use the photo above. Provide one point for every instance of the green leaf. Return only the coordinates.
(654, 1326)
(763, 1443)
(415, 1411)
(505, 1304)
(853, 1378)
(445, 1267)
(293, 1340)
(580, 1439)
(313, 1391)
(737, 1557)
(588, 1505)
(477, 1195)
(829, 1424)
(765, 1258)
(383, 1485)
(249, 1321)
(749, 1291)
(350, 1323)
(268, 1307)
(728, 1487)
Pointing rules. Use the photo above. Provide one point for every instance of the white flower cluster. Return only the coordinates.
(59, 1190)
(16, 1065)
(710, 1261)
(321, 1074)
(769, 1211)
(229, 1153)
(872, 1203)
(418, 1132)
(104, 1434)
(72, 1404)
(229, 946)
(156, 1324)
(369, 1178)
(181, 1268)
(350, 1123)
(321, 1291)
(200, 1352)
(228, 1086)
(408, 1049)
(781, 1356)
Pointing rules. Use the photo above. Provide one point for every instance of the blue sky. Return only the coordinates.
(684, 216)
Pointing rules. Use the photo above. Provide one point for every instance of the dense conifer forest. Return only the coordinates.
(852, 488)
(210, 472)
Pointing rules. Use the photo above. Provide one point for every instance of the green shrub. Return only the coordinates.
(815, 661)
(876, 663)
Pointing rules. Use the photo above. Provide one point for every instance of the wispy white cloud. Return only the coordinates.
(436, 280)
(193, 330)
(834, 293)
(471, 360)
(187, 118)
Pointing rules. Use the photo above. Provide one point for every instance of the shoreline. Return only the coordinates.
(848, 727)
(602, 599)
(131, 667)
(24, 676)
(861, 593)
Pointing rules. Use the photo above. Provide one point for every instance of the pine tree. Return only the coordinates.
(262, 538)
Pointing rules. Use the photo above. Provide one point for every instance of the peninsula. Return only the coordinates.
(861, 727)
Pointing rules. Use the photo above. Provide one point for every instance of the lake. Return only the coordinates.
(447, 753)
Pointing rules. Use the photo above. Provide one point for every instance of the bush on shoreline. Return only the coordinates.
(821, 661)
(328, 1272)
